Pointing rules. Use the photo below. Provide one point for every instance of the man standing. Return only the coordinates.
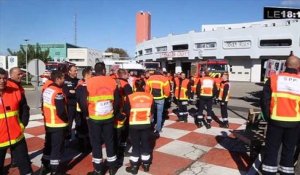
(70, 84)
(280, 105)
(81, 95)
(159, 87)
(206, 90)
(56, 123)
(223, 99)
(103, 102)
(122, 126)
(139, 107)
(12, 105)
(182, 95)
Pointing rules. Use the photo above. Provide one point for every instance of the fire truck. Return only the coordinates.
(52, 65)
(213, 66)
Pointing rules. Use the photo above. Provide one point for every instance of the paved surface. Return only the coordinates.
(182, 148)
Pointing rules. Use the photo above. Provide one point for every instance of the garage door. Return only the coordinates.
(241, 69)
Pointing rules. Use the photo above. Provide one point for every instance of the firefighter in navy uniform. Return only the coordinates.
(12, 105)
(69, 86)
(140, 107)
(280, 105)
(223, 99)
(182, 94)
(206, 90)
(81, 96)
(103, 105)
(122, 126)
(56, 123)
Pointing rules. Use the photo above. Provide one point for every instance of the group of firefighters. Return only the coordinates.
(120, 108)
(112, 109)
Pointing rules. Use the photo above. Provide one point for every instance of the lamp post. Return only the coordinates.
(26, 40)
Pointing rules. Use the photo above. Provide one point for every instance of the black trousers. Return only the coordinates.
(72, 115)
(121, 135)
(224, 113)
(20, 155)
(205, 102)
(99, 132)
(276, 136)
(182, 109)
(140, 145)
(54, 148)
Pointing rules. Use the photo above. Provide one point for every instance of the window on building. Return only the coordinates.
(76, 60)
(181, 47)
(276, 42)
(161, 49)
(208, 45)
(148, 51)
(140, 52)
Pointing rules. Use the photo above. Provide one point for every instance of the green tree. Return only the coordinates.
(33, 51)
(119, 51)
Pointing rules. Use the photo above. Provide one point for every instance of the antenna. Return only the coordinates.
(75, 29)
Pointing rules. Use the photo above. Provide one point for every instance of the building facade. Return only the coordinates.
(246, 46)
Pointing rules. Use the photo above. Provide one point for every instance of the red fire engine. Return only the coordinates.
(213, 66)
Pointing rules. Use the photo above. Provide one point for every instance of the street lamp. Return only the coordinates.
(26, 40)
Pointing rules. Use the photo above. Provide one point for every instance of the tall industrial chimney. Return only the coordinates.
(143, 26)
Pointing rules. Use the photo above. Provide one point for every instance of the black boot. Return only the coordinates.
(146, 167)
(224, 125)
(133, 169)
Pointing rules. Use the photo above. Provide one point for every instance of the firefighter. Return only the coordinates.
(81, 96)
(159, 87)
(102, 103)
(56, 123)
(182, 95)
(12, 107)
(280, 105)
(168, 100)
(223, 99)
(206, 90)
(122, 126)
(14, 81)
(70, 83)
(218, 80)
(139, 107)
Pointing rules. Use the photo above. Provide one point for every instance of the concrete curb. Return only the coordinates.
(29, 89)
(36, 117)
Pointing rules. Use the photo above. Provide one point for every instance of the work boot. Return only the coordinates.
(146, 167)
(133, 169)
(224, 125)
(94, 173)
(199, 124)
(179, 119)
(208, 126)
(185, 119)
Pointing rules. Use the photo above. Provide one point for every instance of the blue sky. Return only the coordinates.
(111, 23)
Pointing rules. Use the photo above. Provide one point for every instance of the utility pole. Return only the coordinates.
(26, 40)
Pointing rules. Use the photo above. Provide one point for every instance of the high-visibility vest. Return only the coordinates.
(221, 92)
(11, 83)
(52, 120)
(180, 92)
(285, 102)
(140, 111)
(196, 81)
(158, 86)
(101, 97)
(207, 85)
(9, 110)
(122, 84)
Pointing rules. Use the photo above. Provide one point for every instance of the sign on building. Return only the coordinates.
(174, 54)
(12, 61)
(3, 62)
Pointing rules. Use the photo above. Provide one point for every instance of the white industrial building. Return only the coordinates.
(83, 57)
(246, 46)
